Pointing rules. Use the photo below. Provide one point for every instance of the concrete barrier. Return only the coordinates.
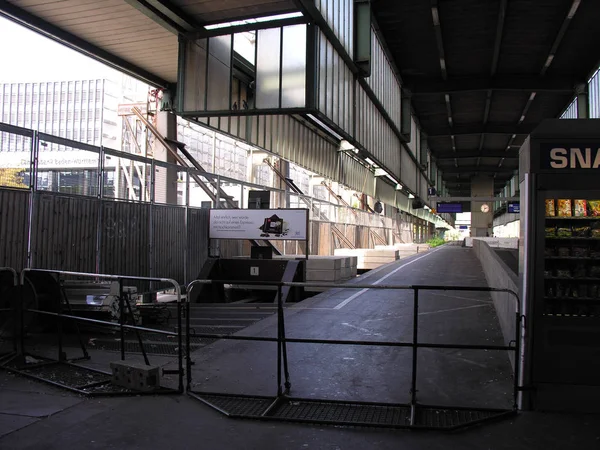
(368, 258)
(499, 275)
(493, 242)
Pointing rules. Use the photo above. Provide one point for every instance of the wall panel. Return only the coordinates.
(14, 211)
(64, 233)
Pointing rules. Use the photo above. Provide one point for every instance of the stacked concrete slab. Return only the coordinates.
(367, 258)
(405, 250)
(330, 269)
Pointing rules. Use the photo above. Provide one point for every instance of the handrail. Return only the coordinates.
(281, 338)
(14, 272)
(121, 325)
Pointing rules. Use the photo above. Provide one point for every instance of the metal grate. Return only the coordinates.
(238, 406)
(449, 418)
(349, 413)
(344, 413)
(68, 375)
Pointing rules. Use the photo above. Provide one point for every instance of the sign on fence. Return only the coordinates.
(269, 224)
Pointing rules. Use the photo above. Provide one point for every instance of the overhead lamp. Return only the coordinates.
(398, 187)
(345, 145)
(411, 196)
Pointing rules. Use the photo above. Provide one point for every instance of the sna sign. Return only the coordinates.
(574, 158)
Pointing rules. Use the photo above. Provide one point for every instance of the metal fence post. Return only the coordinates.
(121, 319)
(279, 349)
(413, 383)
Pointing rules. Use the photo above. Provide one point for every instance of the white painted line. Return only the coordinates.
(349, 299)
(361, 292)
(364, 330)
(453, 309)
(458, 297)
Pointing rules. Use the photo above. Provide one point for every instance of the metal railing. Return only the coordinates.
(121, 326)
(282, 340)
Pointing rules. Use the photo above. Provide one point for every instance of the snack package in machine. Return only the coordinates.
(550, 208)
(580, 208)
(564, 207)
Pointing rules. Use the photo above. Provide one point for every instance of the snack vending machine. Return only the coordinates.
(560, 265)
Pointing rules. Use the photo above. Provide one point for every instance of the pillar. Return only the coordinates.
(165, 184)
(583, 105)
(481, 220)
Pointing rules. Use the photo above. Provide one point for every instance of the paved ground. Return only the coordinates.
(36, 416)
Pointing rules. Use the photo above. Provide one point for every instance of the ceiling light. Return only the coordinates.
(436, 16)
(573, 9)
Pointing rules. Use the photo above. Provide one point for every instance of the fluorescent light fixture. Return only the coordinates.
(532, 96)
(573, 9)
(325, 127)
(369, 161)
(345, 145)
(411, 196)
(238, 23)
(399, 187)
(436, 16)
(548, 61)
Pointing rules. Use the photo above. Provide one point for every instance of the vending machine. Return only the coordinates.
(560, 265)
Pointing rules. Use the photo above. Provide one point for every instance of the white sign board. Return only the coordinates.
(268, 224)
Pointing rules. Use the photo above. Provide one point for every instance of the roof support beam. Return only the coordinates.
(467, 130)
(476, 154)
(44, 28)
(473, 169)
(495, 57)
(175, 14)
(435, 14)
(431, 86)
(157, 16)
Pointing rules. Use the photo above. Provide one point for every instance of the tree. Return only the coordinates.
(12, 177)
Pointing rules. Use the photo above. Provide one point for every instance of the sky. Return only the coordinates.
(26, 56)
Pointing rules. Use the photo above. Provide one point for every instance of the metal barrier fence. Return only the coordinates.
(62, 371)
(7, 285)
(412, 415)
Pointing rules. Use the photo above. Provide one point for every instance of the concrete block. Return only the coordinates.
(323, 275)
(134, 375)
(324, 263)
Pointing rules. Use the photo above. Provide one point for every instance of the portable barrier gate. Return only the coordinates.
(9, 281)
(63, 371)
(283, 407)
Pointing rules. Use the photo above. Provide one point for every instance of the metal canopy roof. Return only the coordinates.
(483, 74)
(138, 37)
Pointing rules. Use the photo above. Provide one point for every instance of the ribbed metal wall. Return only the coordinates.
(168, 242)
(383, 81)
(63, 233)
(125, 238)
(335, 86)
(355, 175)
(408, 172)
(290, 138)
(339, 15)
(197, 241)
(376, 136)
(14, 212)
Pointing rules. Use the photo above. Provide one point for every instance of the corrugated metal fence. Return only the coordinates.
(91, 235)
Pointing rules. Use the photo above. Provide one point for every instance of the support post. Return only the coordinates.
(413, 382)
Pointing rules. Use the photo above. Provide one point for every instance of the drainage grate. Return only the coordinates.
(450, 418)
(238, 406)
(344, 413)
(68, 375)
(349, 413)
